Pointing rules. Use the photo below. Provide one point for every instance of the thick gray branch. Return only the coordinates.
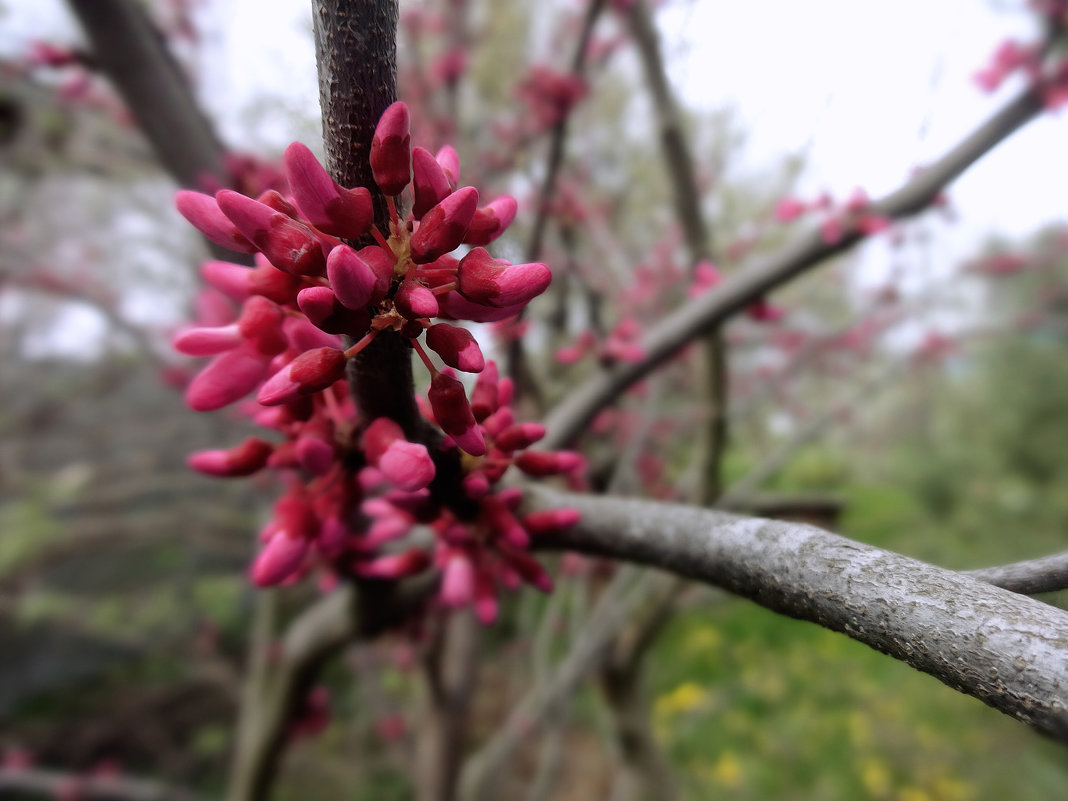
(1007, 650)
(575, 412)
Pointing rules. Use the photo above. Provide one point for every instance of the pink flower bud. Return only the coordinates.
(275, 200)
(430, 184)
(281, 558)
(325, 311)
(484, 397)
(476, 484)
(207, 341)
(233, 280)
(272, 283)
(456, 346)
(324, 203)
(457, 581)
(261, 324)
(415, 301)
(394, 566)
(288, 244)
(529, 569)
(407, 464)
(227, 378)
(491, 220)
(242, 460)
(443, 227)
(788, 209)
(314, 455)
(453, 413)
(548, 463)
(391, 150)
(494, 282)
(310, 372)
(519, 436)
(351, 278)
(450, 163)
(551, 520)
(203, 212)
(455, 306)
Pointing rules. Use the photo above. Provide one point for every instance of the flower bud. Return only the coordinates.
(453, 413)
(519, 436)
(204, 213)
(406, 464)
(243, 460)
(288, 244)
(352, 279)
(394, 566)
(457, 581)
(324, 203)
(391, 150)
(227, 378)
(450, 163)
(550, 521)
(281, 558)
(484, 397)
(310, 372)
(415, 301)
(443, 227)
(491, 220)
(456, 346)
(494, 282)
(430, 184)
(321, 306)
(548, 463)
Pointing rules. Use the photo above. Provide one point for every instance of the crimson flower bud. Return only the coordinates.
(449, 160)
(394, 566)
(391, 150)
(443, 227)
(308, 373)
(529, 569)
(551, 521)
(321, 306)
(269, 281)
(288, 244)
(414, 301)
(457, 580)
(476, 484)
(261, 324)
(491, 220)
(324, 203)
(227, 378)
(275, 200)
(456, 346)
(494, 282)
(204, 213)
(242, 460)
(430, 184)
(453, 413)
(233, 280)
(484, 397)
(548, 463)
(407, 464)
(352, 279)
(519, 436)
(281, 558)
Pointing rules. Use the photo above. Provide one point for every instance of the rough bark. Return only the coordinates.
(1007, 650)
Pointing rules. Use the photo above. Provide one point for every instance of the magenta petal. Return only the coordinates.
(204, 213)
(226, 379)
(280, 558)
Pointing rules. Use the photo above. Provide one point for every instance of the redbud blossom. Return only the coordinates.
(456, 347)
(443, 227)
(495, 282)
(548, 463)
(308, 373)
(491, 220)
(414, 301)
(354, 281)
(242, 460)
(324, 203)
(391, 150)
(288, 244)
(453, 413)
(406, 464)
(203, 212)
(430, 184)
(280, 558)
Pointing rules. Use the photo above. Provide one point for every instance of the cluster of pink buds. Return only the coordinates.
(357, 489)
(855, 215)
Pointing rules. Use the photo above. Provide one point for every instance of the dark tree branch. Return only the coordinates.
(575, 412)
(1007, 650)
(131, 52)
